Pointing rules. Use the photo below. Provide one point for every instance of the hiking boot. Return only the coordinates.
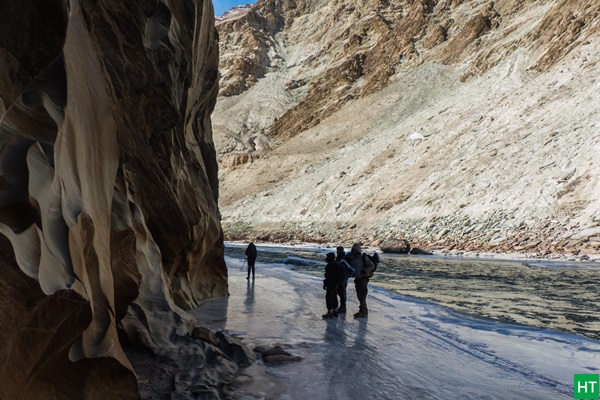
(328, 315)
(335, 312)
(362, 312)
(342, 310)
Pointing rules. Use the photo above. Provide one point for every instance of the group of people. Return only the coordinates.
(340, 267)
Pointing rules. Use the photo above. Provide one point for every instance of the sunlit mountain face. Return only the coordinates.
(458, 125)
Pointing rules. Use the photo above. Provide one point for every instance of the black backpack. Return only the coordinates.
(374, 259)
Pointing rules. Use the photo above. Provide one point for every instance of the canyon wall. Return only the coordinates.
(109, 225)
(466, 125)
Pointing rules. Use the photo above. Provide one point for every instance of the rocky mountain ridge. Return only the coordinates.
(469, 125)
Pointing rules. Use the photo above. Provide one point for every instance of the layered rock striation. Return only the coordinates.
(108, 196)
(453, 124)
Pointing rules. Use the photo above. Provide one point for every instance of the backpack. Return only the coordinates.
(374, 259)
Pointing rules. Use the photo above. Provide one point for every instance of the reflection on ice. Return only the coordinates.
(405, 349)
(249, 301)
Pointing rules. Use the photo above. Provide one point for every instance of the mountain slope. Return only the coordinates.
(455, 124)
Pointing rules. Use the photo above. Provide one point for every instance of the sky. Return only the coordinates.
(223, 5)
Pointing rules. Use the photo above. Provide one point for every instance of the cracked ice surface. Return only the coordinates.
(406, 348)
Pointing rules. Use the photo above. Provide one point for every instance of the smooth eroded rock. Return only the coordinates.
(109, 225)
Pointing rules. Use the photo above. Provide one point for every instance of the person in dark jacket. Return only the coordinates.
(363, 266)
(341, 290)
(251, 255)
(330, 284)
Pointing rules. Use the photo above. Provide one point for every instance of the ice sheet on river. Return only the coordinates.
(405, 349)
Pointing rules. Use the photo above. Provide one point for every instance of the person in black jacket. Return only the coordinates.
(330, 284)
(363, 267)
(251, 255)
(341, 290)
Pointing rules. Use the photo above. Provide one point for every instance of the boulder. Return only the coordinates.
(276, 351)
(261, 349)
(399, 246)
(281, 358)
(235, 349)
(275, 354)
(205, 334)
(420, 252)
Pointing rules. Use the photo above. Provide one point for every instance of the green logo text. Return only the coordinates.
(585, 386)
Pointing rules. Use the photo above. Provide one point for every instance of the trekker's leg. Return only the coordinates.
(342, 294)
(251, 268)
(366, 291)
(361, 294)
(334, 299)
(330, 301)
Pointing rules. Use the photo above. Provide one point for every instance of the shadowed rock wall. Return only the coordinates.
(108, 190)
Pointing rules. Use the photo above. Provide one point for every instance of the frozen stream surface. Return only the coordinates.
(406, 349)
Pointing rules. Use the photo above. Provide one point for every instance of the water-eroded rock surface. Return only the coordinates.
(108, 195)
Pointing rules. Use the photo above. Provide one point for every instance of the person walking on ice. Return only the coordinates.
(251, 255)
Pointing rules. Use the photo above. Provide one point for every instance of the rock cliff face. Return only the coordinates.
(454, 124)
(108, 195)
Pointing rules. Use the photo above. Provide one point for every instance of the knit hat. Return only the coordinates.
(356, 247)
(330, 257)
(340, 249)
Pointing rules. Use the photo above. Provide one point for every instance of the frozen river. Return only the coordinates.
(406, 349)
